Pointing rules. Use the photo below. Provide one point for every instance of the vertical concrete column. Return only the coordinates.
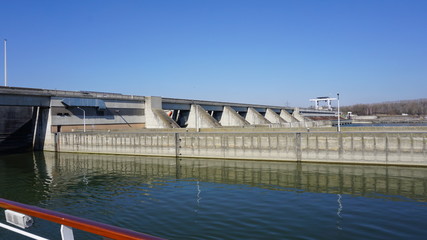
(254, 117)
(42, 127)
(340, 145)
(155, 117)
(298, 152)
(45, 139)
(36, 115)
(232, 118)
(199, 118)
(177, 145)
(273, 117)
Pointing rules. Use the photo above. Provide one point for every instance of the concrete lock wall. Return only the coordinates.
(361, 148)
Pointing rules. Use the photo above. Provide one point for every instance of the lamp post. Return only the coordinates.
(339, 120)
(84, 119)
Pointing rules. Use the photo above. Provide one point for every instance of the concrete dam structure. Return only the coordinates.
(29, 117)
(108, 123)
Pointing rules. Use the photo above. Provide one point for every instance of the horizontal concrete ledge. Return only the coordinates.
(354, 148)
(263, 128)
(246, 159)
(20, 91)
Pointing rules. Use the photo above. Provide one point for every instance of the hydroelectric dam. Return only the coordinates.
(111, 123)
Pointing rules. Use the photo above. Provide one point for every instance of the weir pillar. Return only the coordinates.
(232, 118)
(200, 118)
(296, 114)
(273, 117)
(155, 117)
(287, 116)
(255, 118)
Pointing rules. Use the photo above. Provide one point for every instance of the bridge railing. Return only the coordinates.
(68, 222)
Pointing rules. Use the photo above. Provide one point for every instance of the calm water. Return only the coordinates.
(220, 199)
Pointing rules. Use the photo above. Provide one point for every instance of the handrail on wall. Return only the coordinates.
(98, 228)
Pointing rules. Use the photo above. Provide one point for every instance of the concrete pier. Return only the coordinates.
(232, 118)
(155, 116)
(287, 117)
(199, 118)
(255, 118)
(273, 117)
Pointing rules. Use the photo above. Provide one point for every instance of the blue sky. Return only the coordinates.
(267, 52)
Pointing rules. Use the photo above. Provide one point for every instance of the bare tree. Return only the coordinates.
(411, 107)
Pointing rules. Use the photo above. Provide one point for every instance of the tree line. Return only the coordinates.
(410, 107)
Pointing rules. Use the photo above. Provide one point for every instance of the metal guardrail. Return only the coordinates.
(68, 222)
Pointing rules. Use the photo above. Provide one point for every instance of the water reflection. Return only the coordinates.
(39, 173)
(221, 199)
(339, 212)
(24, 178)
(361, 180)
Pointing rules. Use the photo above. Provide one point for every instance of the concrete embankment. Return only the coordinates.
(387, 148)
(389, 119)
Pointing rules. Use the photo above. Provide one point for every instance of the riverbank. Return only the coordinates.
(390, 119)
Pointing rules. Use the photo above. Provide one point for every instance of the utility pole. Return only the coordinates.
(5, 63)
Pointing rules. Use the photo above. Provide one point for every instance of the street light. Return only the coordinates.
(84, 119)
(338, 98)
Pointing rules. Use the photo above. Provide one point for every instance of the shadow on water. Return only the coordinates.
(24, 177)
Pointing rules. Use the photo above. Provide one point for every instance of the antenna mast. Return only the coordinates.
(5, 63)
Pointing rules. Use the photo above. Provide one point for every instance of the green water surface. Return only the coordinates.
(219, 199)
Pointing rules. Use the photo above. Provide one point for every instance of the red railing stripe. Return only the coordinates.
(98, 228)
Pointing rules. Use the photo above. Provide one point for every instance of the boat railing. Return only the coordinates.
(19, 214)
